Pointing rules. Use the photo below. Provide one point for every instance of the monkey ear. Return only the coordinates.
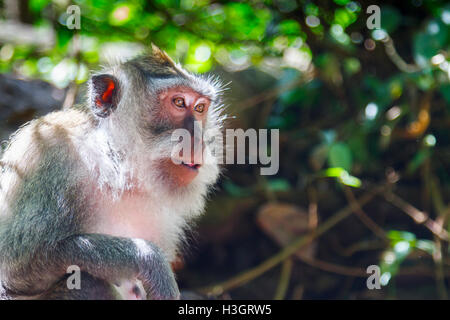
(104, 94)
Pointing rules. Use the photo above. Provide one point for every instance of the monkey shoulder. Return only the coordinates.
(56, 130)
(41, 158)
(40, 182)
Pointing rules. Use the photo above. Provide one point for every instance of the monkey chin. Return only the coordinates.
(180, 175)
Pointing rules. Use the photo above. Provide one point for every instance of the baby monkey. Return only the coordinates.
(96, 186)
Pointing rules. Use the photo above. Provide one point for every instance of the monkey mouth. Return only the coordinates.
(192, 166)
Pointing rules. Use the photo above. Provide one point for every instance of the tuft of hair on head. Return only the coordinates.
(156, 63)
(161, 56)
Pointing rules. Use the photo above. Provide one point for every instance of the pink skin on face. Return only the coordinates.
(180, 103)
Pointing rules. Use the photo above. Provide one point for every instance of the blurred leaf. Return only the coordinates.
(426, 245)
(278, 185)
(235, 191)
(427, 43)
(418, 159)
(396, 236)
(38, 5)
(401, 245)
(319, 156)
(289, 27)
(248, 23)
(379, 91)
(341, 2)
(390, 18)
(284, 223)
(352, 65)
(340, 155)
(445, 91)
(311, 9)
(63, 35)
(344, 17)
(122, 14)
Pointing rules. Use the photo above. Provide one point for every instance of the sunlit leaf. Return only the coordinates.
(343, 177)
(344, 17)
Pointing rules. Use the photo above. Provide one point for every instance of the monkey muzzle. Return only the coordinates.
(193, 166)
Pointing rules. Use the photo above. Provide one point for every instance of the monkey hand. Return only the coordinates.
(158, 278)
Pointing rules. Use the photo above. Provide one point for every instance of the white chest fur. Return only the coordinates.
(138, 215)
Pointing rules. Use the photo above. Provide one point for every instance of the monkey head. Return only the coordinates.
(139, 104)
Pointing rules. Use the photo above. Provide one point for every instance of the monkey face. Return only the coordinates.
(184, 108)
(142, 103)
(184, 105)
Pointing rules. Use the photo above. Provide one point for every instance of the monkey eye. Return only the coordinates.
(199, 108)
(179, 102)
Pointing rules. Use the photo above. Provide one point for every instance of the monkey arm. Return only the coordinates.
(114, 259)
(42, 234)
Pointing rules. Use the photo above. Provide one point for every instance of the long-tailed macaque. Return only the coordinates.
(96, 187)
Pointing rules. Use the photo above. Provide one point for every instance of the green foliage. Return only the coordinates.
(428, 42)
(401, 245)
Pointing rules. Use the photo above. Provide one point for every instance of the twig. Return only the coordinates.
(285, 278)
(418, 216)
(363, 216)
(298, 292)
(362, 246)
(313, 217)
(395, 57)
(289, 250)
(361, 272)
(439, 207)
(446, 217)
(439, 270)
(357, 272)
(334, 268)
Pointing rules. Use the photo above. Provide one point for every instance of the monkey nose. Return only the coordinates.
(196, 157)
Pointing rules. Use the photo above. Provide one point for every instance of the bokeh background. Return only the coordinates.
(364, 118)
